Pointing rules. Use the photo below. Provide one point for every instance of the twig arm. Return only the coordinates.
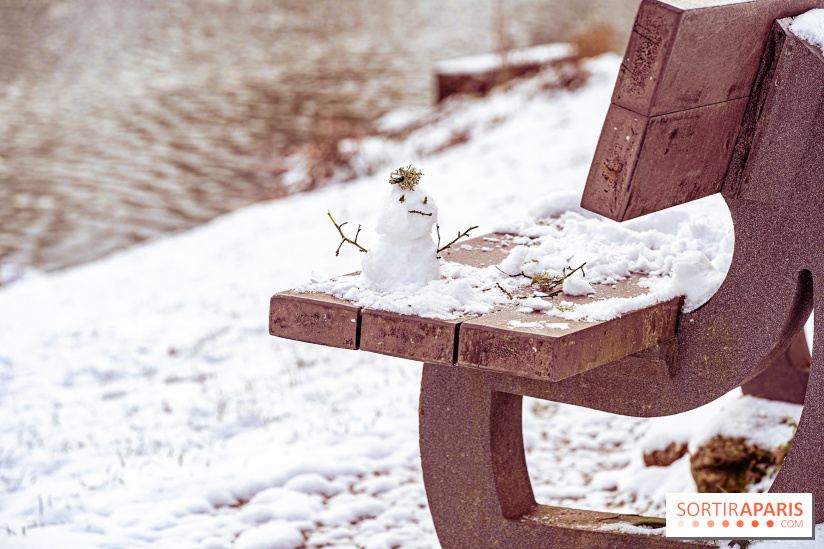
(460, 236)
(344, 237)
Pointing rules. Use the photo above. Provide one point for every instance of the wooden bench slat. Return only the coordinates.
(315, 318)
(684, 54)
(507, 340)
(643, 165)
(411, 337)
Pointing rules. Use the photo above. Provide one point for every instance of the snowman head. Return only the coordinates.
(408, 213)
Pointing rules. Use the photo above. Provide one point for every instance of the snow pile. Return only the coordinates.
(545, 53)
(685, 255)
(577, 285)
(810, 27)
(460, 126)
(463, 291)
(764, 423)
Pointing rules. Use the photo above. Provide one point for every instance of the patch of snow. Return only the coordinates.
(679, 250)
(577, 285)
(399, 119)
(627, 528)
(490, 61)
(272, 535)
(809, 26)
(539, 324)
(684, 253)
(765, 423)
(313, 483)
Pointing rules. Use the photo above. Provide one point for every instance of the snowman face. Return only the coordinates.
(407, 214)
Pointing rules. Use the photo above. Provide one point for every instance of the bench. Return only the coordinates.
(713, 96)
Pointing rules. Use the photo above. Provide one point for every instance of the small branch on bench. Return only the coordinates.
(460, 236)
(344, 237)
(515, 275)
(547, 282)
(509, 295)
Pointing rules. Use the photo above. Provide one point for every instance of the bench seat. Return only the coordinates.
(532, 345)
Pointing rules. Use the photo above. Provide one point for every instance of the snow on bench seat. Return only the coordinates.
(525, 344)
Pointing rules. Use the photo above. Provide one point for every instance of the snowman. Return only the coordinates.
(405, 255)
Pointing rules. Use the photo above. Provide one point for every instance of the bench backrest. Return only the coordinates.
(679, 102)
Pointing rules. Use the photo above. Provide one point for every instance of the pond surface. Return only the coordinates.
(121, 120)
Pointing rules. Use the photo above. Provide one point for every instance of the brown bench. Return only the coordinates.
(715, 96)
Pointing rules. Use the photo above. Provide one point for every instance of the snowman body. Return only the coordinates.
(405, 253)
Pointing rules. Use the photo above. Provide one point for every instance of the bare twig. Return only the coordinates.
(515, 275)
(420, 212)
(509, 295)
(552, 294)
(460, 236)
(546, 282)
(344, 237)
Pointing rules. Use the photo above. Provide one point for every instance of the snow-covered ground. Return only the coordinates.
(143, 403)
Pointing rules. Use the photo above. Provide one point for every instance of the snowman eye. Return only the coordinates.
(402, 199)
(425, 198)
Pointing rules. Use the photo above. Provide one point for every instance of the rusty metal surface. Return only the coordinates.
(690, 66)
(314, 318)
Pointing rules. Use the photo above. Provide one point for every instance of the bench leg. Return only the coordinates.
(477, 483)
(803, 468)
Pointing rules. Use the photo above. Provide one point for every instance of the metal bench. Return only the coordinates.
(713, 96)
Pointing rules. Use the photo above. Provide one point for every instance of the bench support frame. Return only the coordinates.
(471, 437)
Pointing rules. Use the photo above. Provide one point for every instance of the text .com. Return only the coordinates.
(740, 516)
